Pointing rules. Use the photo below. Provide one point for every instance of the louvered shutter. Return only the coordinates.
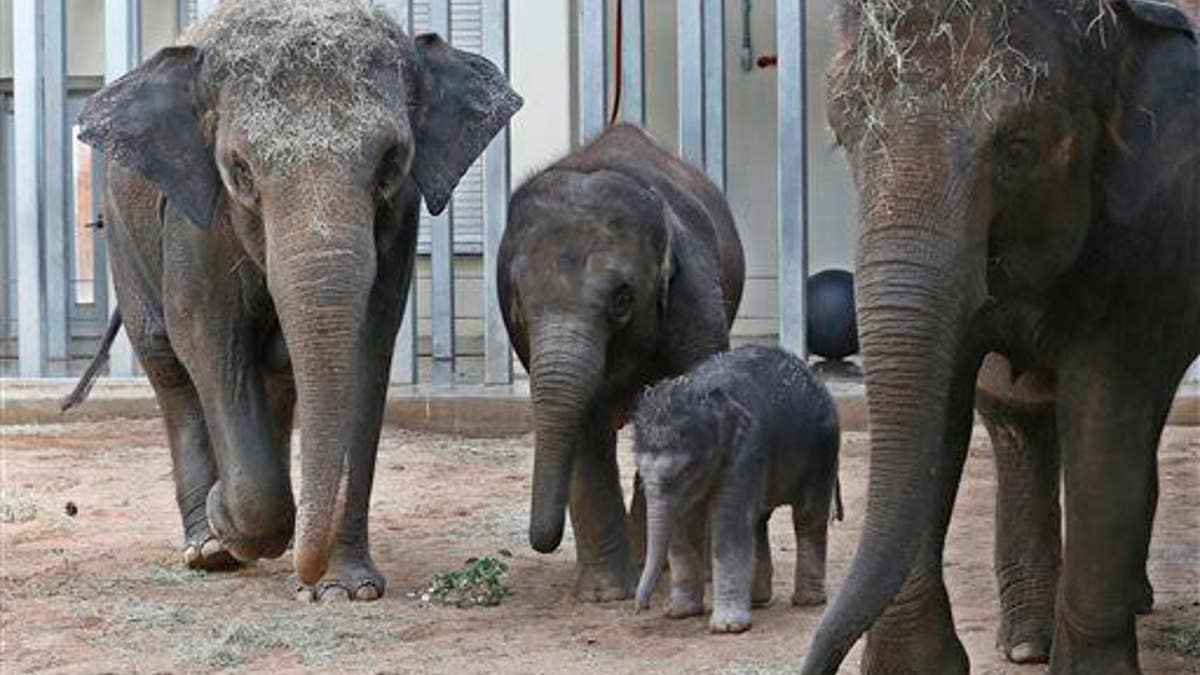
(466, 33)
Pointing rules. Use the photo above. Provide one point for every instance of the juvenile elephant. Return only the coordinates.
(261, 209)
(718, 449)
(1029, 180)
(620, 265)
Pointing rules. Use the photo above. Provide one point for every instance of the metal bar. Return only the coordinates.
(28, 65)
(55, 226)
(592, 20)
(689, 21)
(404, 360)
(441, 252)
(714, 91)
(633, 57)
(121, 47)
(792, 174)
(497, 353)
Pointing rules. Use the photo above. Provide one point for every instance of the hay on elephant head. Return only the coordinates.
(303, 79)
(929, 50)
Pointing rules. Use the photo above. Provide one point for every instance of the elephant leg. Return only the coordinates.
(597, 508)
(637, 522)
(1144, 592)
(1110, 427)
(193, 466)
(760, 589)
(733, 541)
(686, 556)
(1028, 522)
(812, 531)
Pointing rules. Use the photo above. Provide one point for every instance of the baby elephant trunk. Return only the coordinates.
(658, 538)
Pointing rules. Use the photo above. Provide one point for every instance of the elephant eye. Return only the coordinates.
(390, 173)
(621, 305)
(239, 172)
(1015, 160)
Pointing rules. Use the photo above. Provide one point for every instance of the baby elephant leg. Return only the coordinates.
(760, 590)
(811, 532)
(687, 567)
(733, 565)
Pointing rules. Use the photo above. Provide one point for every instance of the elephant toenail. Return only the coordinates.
(367, 592)
(1027, 652)
(333, 594)
(305, 594)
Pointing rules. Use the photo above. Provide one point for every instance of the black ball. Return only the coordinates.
(832, 328)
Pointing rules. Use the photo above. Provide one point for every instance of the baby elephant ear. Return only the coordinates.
(1161, 14)
(462, 101)
(735, 418)
(149, 121)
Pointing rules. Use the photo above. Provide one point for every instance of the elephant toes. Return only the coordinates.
(729, 621)
(1026, 652)
(603, 585)
(351, 581)
(210, 555)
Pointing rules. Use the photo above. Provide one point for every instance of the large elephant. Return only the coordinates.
(621, 265)
(261, 208)
(1029, 187)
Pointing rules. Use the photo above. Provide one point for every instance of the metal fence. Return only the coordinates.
(43, 311)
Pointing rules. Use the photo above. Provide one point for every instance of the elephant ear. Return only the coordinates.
(462, 101)
(733, 418)
(1156, 119)
(149, 121)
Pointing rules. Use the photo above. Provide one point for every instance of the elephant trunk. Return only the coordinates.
(321, 264)
(918, 283)
(566, 366)
(659, 516)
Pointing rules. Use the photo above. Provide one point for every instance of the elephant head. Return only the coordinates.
(302, 128)
(589, 267)
(993, 148)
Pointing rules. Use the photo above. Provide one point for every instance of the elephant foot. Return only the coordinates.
(206, 553)
(885, 658)
(349, 579)
(1112, 651)
(808, 597)
(1026, 639)
(729, 620)
(683, 606)
(1143, 602)
(604, 582)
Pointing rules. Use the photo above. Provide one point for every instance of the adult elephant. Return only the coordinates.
(621, 265)
(261, 208)
(1029, 184)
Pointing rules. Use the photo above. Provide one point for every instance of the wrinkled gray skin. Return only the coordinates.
(720, 448)
(251, 290)
(620, 266)
(1056, 228)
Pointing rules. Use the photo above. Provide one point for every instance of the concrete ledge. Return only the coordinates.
(463, 410)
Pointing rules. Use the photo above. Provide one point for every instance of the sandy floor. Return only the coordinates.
(105, 590)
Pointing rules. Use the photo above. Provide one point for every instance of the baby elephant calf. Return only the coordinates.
(744, 432)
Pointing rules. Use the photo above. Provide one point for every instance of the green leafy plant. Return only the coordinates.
(480, 582)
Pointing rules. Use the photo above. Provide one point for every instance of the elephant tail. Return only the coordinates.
(84, 387)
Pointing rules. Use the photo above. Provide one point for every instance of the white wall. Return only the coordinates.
(540, 68)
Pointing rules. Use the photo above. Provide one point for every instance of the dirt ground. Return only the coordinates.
(105, 590)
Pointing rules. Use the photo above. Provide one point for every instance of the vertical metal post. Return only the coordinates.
(121, 47)
(497, 354)
(28, 66)
(404, 360)
(442, 251)
(591, 24)
(633, 69)
(54, 224)
(689, 23)
(714, 91)
(792, 174)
